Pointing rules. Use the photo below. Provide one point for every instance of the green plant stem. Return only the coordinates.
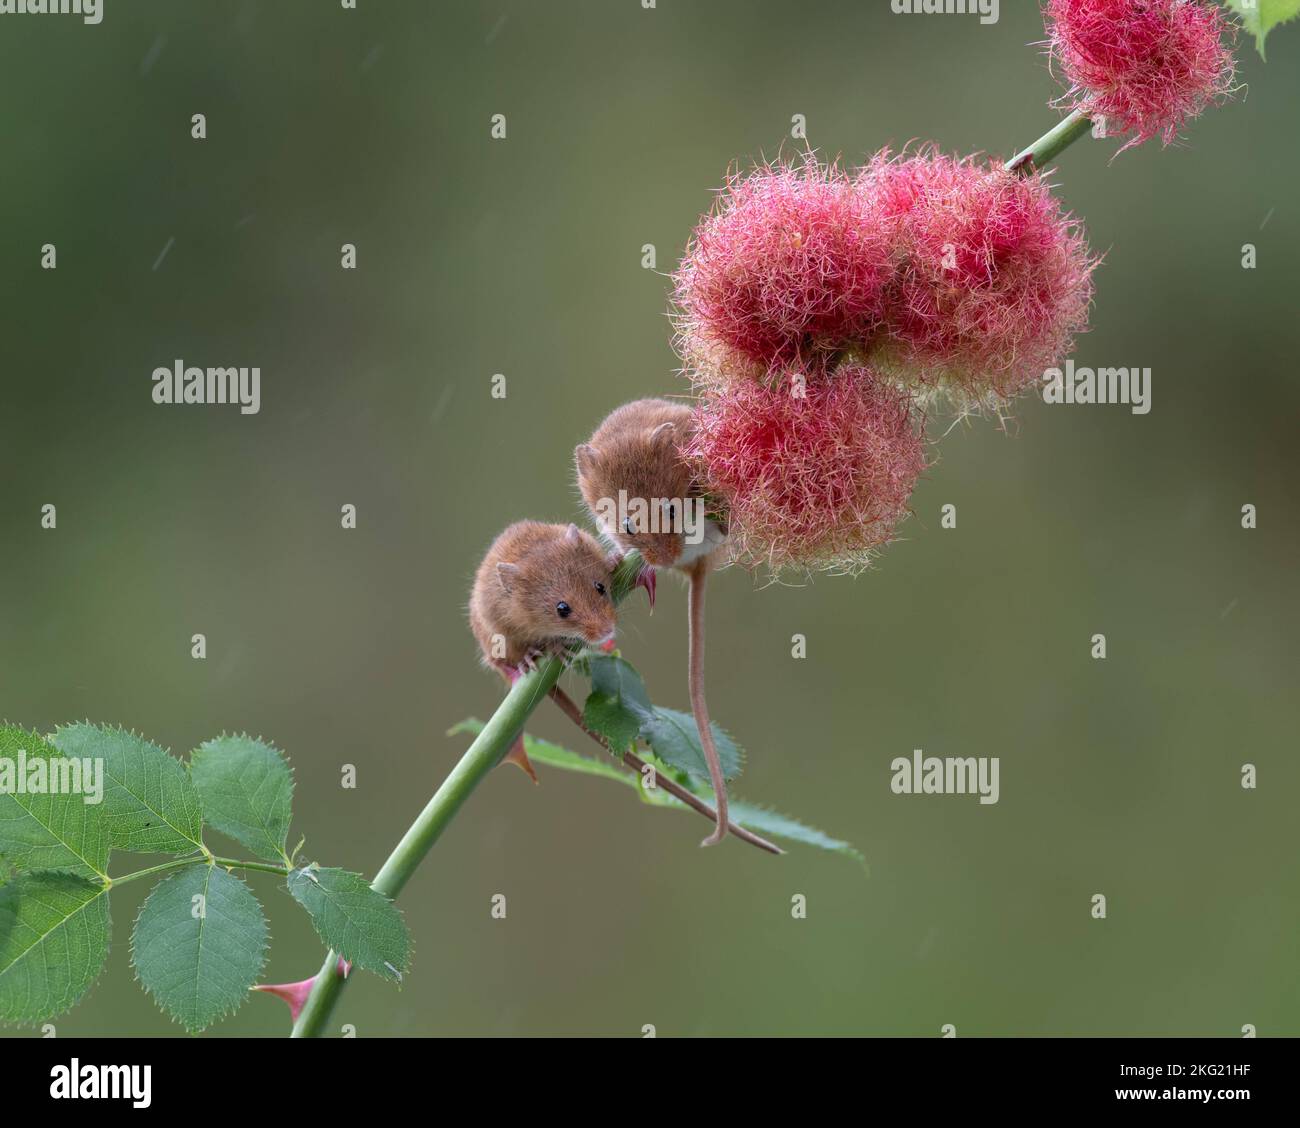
(1051, 144)
(115, 881)
(487, 751)
(204, 859)
(261, 867)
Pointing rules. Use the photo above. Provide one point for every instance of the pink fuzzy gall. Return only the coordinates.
(995, 279)
(791, 265)
(809, 482)
(1145, 67)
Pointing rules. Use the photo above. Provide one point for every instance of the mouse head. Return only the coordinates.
(640, 490)
(562, 587)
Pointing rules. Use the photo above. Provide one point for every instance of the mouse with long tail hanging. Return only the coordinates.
(824, 314)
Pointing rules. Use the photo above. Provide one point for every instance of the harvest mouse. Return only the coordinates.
(643, 496)
(540, 589)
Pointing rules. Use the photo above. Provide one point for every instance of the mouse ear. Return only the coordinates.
(587, 457)
(573, 534)
(507, 574)
(662, 434)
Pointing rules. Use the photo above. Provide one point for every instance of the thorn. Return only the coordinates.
(294, 995)
(519, 757)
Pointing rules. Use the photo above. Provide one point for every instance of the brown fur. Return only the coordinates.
(633, 450)
(544, 565)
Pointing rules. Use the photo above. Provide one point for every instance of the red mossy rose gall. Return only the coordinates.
(813, 476)
(1141, 68)
(994, 278)
(792, 262)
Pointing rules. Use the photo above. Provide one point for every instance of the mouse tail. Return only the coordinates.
(695, 601)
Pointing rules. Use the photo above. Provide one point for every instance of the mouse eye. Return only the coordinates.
(563, 610)
(600, 588)
(627, 527)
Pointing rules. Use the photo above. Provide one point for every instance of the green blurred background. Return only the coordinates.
(523, 257)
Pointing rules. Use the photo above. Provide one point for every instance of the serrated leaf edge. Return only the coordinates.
(288, 763)
(261, 965)
(198, 845)
(410, 940)
(18, 1023)
(102, 874)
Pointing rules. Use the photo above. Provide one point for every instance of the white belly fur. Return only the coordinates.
(713, 539)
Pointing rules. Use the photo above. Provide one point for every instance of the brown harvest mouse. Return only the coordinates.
(541, 589)
(643, 496)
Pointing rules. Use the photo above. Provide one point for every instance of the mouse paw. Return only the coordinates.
(529, 663)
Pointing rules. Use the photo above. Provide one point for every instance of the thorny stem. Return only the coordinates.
(484, 754)
(1051, 144)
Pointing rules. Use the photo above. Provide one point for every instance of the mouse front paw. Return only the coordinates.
(531, 657)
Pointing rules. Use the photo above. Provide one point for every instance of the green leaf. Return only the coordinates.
(619, 709)
(199, 944)
(362, 925)
(246, 789)
(763, 821)
(150, 804)
(757, 819)
(618, 704)
(617, 678)
(611, 718)
(675, 739)
(44, 831)
(1259, 17)
(54, 933)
